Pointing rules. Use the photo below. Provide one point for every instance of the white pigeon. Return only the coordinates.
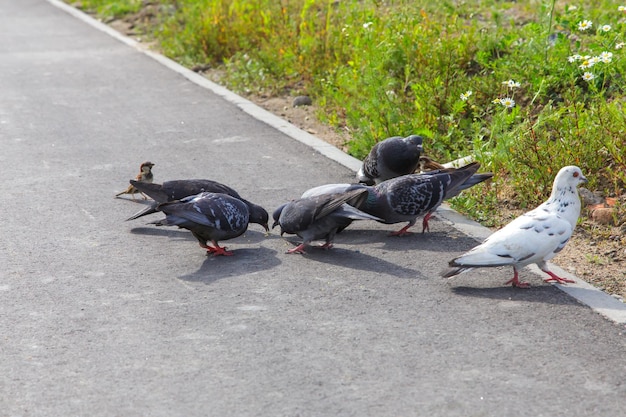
(535, 237)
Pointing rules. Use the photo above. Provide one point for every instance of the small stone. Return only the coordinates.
(302, 101)
(604, 215)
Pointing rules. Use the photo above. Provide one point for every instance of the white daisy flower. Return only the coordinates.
(587, 76)
(622, 8)
(605, 28)
(507, 102)
(574, 58)
(511, 84)
(496, 101)
(619, 45)
(367, 25)
(585, 25)
(587, 63)
(606, 57)
(466, 95)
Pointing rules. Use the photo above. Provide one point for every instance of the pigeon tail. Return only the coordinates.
(148, 210)
(450, 272)
(154, 191)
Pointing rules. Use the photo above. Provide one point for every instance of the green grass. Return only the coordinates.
(384, 68)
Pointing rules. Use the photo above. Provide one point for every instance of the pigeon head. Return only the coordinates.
(415, 140)
(259, 215)
(276, 216)
(569, 176)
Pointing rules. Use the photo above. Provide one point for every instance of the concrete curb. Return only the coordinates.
(582, 291)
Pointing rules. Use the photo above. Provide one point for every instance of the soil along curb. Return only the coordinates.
(582, 291)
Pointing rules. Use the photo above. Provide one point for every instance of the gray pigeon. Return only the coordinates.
(210, 217)
(179, 189)
(405, 198)
(533, 238)
(390, 158)
(319, 217)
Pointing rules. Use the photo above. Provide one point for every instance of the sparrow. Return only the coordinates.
(145, 175)
(427, 164)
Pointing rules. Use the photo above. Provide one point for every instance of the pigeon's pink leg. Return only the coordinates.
(516, 282)
(402, 232)
(217, 250)
(326, 245)
(297, 249)
(555, 277)
(425, 226)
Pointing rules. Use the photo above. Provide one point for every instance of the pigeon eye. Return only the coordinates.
(575, 174)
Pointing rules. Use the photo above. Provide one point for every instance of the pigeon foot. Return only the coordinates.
(556, 278)
(425, 226)
(297, 249)
(402, 232)
(516, 282)
(217, 250)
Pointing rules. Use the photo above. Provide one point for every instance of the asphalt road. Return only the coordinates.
(101, 317)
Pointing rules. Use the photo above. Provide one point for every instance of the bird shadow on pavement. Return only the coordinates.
(546, 294)
(244, 261)
(250, 236)
(436, 241)
(162, 231)
(353, 260)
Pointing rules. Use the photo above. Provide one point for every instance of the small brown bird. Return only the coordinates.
(427, 164)
(145, 175)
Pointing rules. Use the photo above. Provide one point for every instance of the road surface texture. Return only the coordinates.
(101, 317)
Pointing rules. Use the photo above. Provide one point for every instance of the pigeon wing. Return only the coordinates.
(531, 238)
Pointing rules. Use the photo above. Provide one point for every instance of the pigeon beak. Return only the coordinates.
(275, 224)
(583, 179)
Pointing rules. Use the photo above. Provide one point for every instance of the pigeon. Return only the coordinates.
(319, 217)
(407, 197)
(210, 217)
(390, 158)
(178, 189)
(145, 175)
(427, 164)
(534, 237)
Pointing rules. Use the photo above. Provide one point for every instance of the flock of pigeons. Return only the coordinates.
(388, 191)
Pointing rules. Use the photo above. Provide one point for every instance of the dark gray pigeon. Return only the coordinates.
(179, 189)
(390, 158)
(319, 217)
(407, 197)
(210, 217)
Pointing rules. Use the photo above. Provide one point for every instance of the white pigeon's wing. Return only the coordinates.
(534, 237)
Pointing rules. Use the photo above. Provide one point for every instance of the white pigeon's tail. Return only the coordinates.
(450, 272)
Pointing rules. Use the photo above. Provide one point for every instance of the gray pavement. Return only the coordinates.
(101, 317)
